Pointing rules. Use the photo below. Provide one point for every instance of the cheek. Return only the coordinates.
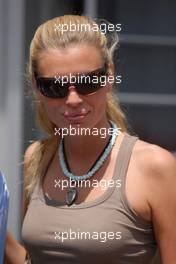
(52, 108)
(48, 105)
(98, 100)
(51, 104)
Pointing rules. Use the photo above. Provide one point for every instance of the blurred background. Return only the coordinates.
(146, 60)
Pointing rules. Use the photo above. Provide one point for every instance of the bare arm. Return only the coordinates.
(14, 252)
(163, 203)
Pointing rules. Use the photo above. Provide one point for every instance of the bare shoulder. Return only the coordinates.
(155, 171)
(30, 150)
(28, 153)
(155, 159)
(157, 167)
(150, 171)
(159, 170)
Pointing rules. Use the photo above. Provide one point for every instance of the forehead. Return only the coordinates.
(73, 59)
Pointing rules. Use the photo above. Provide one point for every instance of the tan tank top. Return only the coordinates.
(104, 231)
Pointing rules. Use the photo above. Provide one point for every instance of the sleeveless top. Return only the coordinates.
(103, 231)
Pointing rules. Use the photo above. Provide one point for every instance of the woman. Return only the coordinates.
(66, 221)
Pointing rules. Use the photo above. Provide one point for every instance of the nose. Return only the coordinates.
(73, 98)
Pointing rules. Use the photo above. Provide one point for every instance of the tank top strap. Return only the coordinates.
(124, 156)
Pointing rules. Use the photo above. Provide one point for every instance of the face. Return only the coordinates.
(74, 109)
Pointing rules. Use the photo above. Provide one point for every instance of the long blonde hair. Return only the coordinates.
(48, 37)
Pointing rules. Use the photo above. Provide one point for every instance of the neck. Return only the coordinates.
(86, 146)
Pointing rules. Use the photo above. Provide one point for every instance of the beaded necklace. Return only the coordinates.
(72, 192)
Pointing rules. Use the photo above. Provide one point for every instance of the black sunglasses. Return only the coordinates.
(85, 84)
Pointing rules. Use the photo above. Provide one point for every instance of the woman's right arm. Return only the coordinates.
(15, 253)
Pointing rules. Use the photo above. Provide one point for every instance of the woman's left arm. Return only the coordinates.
(163, 203)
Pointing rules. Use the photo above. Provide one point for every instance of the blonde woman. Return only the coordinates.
(66, 221)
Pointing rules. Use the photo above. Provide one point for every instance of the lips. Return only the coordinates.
(75, 117)
(66, 114)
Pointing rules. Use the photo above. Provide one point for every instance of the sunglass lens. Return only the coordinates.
(87, 88)
(50, 89)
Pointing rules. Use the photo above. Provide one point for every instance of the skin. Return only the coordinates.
(62, 62)
(151, 173)
(14, 252)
